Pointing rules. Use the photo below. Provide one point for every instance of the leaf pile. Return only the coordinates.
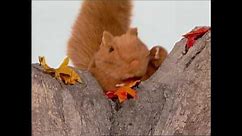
(63, 72)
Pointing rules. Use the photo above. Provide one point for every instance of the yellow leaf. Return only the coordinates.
(65, 62)
(64, 72)
(44, 65)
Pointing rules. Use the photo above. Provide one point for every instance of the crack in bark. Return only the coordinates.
(61, 107)
(112, 120)
(151, 131)
(193, 57)
(158, 113)
(64, 121)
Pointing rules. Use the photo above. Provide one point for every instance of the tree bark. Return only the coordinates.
(174, 101)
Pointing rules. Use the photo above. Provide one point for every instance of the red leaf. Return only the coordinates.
(194, 35)
(110, 94)
(190, 41)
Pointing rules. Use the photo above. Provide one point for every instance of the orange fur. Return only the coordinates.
(95, 17)
(119, 58)
(103, 43)
(157, 56)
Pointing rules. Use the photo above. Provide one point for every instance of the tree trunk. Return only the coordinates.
(174, 101)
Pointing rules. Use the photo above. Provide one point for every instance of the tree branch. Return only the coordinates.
(175, 100)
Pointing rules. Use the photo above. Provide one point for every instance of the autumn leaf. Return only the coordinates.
(45, 66)
(110, 94)
(123, 92)
(63, 72)
(134, 83)
(194, 35)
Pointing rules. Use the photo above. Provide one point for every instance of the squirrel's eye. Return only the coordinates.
(111, 49)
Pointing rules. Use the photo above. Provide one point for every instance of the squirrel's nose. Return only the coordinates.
(134, 63)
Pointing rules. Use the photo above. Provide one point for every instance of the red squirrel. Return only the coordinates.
(103, 43)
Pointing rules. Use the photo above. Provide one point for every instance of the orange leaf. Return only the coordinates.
(134, 83)
(123, 92)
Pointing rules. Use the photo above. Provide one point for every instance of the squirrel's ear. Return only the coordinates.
(133, 31)
(107, 37)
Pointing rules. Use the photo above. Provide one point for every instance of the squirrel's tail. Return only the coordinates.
(95, 17)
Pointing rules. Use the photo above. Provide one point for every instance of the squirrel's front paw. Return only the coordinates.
(157, 56)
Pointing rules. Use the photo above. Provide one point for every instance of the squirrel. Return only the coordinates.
(103, 43)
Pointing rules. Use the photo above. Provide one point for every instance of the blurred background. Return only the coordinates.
(158, 22)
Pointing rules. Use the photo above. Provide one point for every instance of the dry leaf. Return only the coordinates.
(45, 66)
(64, 72)
(123, 92)
(134, 83)
(194, 35)
(110, 94)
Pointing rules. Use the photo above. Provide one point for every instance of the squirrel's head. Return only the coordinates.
(122, 57)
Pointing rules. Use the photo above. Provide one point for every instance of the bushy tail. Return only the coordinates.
(95, 17)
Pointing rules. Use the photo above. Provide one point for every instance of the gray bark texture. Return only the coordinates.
(174, 101)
